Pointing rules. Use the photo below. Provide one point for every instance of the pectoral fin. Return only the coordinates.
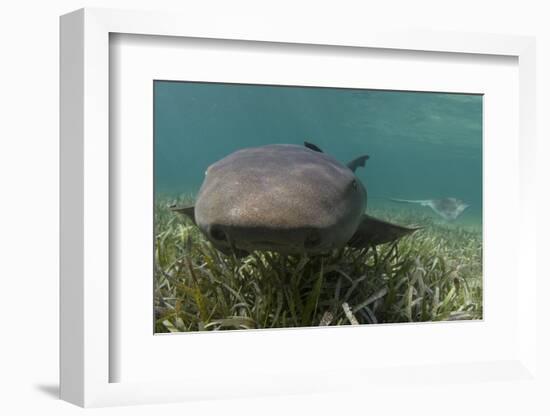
(187, 211)
(372, 231)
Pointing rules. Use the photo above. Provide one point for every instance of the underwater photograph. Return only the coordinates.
(288, 206)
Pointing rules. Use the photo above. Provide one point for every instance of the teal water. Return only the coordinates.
(421, 145)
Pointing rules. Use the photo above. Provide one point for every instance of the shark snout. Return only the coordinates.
(264, 238)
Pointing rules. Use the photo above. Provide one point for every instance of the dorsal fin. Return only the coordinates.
(359, 161)
(313, 147)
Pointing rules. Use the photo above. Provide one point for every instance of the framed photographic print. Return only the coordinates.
(270, 212)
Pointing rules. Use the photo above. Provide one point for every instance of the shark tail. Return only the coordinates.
(422, 202)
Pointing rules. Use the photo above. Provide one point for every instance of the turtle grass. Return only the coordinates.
(432, 275)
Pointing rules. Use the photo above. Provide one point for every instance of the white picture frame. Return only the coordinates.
(86, 294)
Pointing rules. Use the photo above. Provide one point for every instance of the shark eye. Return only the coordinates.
(217, 233)
(354, 184)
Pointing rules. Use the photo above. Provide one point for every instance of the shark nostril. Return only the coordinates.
(313, 239)
(217, 233)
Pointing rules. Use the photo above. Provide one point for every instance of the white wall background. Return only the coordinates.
(29, 194)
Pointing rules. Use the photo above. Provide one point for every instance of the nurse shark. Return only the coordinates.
(289, 199)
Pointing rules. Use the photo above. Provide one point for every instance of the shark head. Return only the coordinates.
(449, 208)
(282, 198)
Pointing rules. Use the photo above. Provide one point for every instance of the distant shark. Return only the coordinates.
(448, 208)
